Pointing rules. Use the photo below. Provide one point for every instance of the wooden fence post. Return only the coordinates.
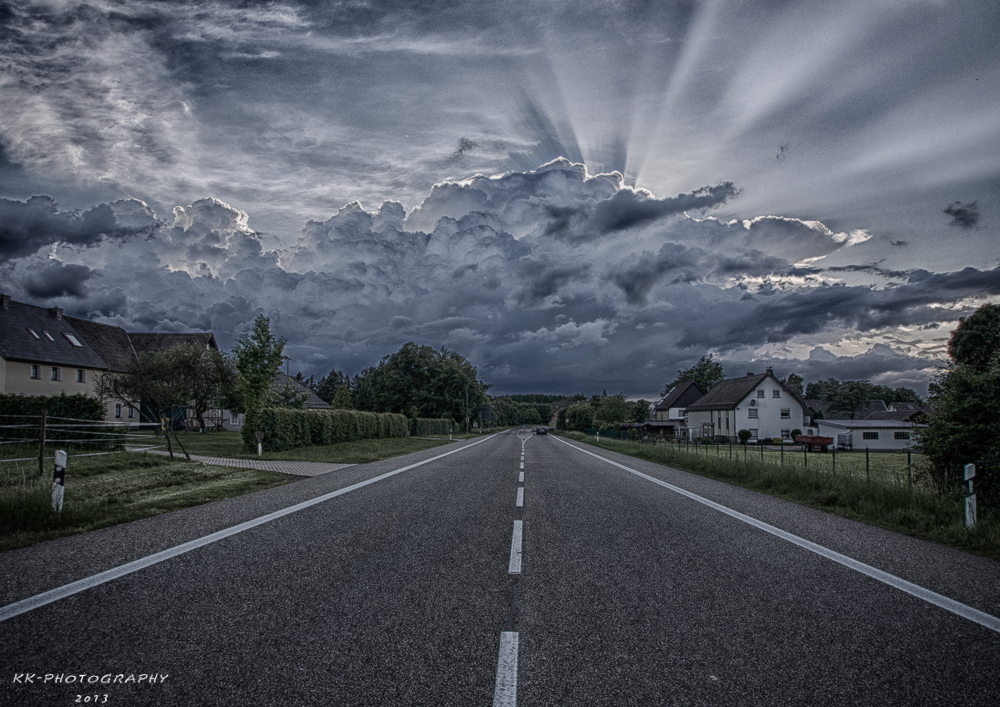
(41, 443)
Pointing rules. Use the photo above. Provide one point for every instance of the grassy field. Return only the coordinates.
(116, 488)
(887, 493)
(229, 444)
(107, 490)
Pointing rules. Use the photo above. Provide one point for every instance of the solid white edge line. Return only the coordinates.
(505, 694)
(520, 498)
(515, 549)
(40, 600)
(967, 612)
(520, 478)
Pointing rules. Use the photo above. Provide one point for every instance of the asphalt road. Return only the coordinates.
(401, 592)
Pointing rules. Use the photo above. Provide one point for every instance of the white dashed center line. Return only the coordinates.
(520, 478)
(520, 498)
(505, 694)
(515, 549)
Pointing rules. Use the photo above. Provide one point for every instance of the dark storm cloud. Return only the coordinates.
(473, 270)
(59, 281)
(543, 276)
(873, 269)
(810, 311)
(674, 260)
(963, 215)
(626, 209)
(26, 226)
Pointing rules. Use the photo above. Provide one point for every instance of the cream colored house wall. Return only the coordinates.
(17, 379)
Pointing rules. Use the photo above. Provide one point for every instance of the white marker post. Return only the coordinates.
(970, 499)
(59, 482)
(260, 447)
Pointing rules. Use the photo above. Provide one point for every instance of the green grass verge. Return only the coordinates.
(362, 451)
(107, 490)
(887, 494)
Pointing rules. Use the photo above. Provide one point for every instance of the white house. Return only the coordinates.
(869, 434)
(759, 403)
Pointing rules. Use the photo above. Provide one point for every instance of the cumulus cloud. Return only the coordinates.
(476, 267)
(27, 226)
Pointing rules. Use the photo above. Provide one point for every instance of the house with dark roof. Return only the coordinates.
(668, 416)
(234, 420)
(43, 352)
(759, 403)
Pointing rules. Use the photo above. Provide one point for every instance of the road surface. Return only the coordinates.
(479, 578)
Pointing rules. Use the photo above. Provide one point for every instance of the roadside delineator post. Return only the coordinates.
(259, 434)
(59, 481)
(970, 498)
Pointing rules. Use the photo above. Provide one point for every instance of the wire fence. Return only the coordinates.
(904, 469)
(24, 435)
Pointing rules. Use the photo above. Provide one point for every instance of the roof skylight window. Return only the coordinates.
(73, 340)
(34, 334)
(48, 336)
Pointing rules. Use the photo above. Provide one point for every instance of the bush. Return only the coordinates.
(286, 428)
(796, 433)
(423, 426)
(777, 440)
(744, 436)
(633, 434)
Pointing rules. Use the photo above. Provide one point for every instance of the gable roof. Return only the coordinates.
(110, 342)
(313, 402)
(17, 343)
(728, 393)
(898, 415)
(681, 395)
(102, 346)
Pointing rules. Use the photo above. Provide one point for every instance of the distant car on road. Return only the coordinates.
(541, 430)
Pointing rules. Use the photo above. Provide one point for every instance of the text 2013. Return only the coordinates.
(96, 699)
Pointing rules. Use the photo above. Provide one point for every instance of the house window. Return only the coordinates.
(775, 393)
(786, 414)
(752, 413)
(118, 409)
(48, 336)
(56, 373)
(760, 393)
(81, 375)
(869, 435)
(786, 434)
(901, 435)
(233, 417)
(34, 373)
(131, 411)
(753, 433)
(34, 334)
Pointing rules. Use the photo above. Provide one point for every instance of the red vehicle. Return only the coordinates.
(815, 443)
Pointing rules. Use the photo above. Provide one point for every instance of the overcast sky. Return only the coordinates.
(577, 196)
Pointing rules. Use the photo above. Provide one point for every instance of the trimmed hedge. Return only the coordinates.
(75, 407)
(28, 411)
(421, 426)
(287, 428)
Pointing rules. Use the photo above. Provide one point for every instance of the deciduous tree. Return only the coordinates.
(706, 373)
